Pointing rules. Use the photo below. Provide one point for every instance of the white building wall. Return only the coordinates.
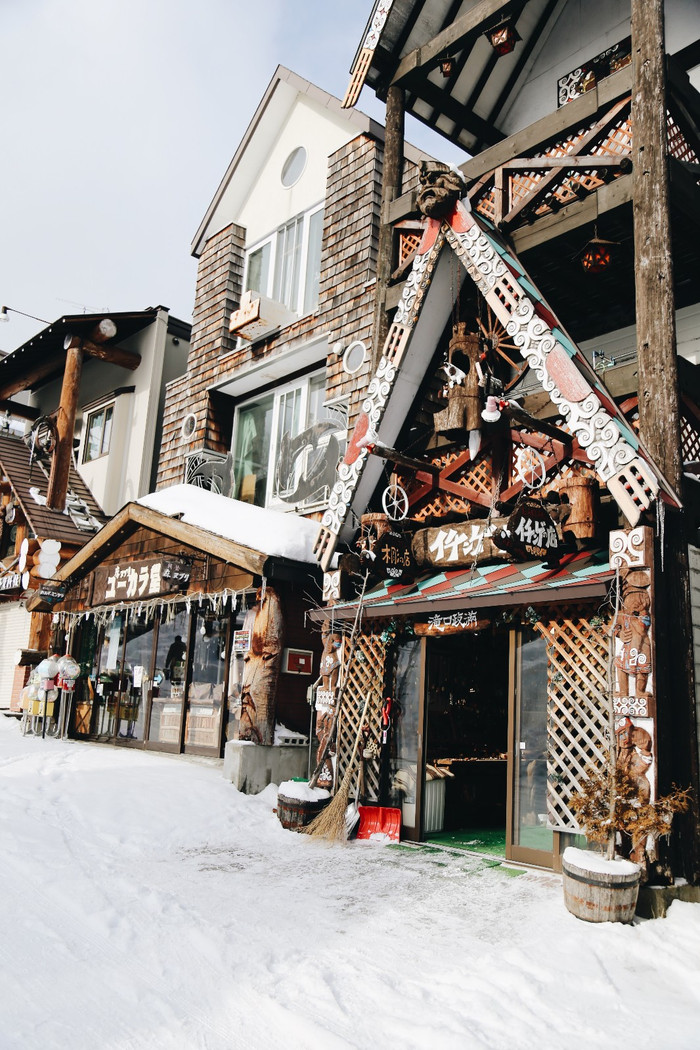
(584, 29)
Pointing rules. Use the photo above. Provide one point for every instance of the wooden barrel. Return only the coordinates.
(600, 896)
(295, 813)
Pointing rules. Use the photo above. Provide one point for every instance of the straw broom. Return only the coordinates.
(330, 823)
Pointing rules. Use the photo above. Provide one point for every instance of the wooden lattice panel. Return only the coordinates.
(409, 241)
(365, 678)
(690, 442)
(477, 476)
(577, 708)
(617, 143)
(678, 145)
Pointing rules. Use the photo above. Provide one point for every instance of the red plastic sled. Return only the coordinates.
(379, 820)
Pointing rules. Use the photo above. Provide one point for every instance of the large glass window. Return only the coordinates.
(287, 444)
(286, 266)
(98, 433)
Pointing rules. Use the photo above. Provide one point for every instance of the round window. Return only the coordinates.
(293, 167)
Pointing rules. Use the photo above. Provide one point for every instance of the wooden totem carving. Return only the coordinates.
(261, 668)
(463, 411)
(326, 698)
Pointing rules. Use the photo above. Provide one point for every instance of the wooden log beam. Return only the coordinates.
(115, 355)
(18, 410)
(425, 58)
(65, 427)
(588, 163)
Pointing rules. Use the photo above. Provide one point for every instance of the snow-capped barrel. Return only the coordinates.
(599, 890)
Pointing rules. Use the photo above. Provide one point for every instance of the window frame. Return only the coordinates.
(88, 417)
(304, 383)
(275, 239)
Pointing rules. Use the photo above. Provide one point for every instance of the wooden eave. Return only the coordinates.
(135, 516)
(42, 358)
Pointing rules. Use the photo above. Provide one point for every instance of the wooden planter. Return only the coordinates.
(296, 813)
(599, 895)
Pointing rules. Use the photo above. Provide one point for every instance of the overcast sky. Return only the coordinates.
(119, 120)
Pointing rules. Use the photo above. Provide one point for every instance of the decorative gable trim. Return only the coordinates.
(591, 417)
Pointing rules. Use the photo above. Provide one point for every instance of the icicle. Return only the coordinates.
(660, 527)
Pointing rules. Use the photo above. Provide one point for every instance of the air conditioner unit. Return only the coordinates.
(258, 316)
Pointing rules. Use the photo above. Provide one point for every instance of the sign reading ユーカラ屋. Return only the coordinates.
(140, 579)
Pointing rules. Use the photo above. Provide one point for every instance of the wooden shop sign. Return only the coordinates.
(530, 533)
(459, 544)
(451, 623)
(11, 581)
(140, 579)
(51, 593)
(394, 560)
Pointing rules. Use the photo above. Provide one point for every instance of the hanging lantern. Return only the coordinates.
(503, 37)
(446, 66)
(597, 255)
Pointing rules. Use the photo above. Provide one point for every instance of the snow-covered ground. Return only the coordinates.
(147, 904)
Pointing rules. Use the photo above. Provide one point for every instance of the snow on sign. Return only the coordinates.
(141, 579)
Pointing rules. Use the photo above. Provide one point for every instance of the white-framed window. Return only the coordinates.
(98, 431)
(286, 265)
(287, 443)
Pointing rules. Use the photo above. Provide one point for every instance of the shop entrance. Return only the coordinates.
(466, 738)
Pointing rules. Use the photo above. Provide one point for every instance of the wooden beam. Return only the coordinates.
(19, 410)
(49, 366)
(588, 163)
(574, 215)
(659, 423)
(471, 24)
(392, 175)
(589, 139)
(115, 355)
(550, 128)
(65, 426)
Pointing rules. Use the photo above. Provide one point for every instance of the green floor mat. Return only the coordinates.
(477, 840)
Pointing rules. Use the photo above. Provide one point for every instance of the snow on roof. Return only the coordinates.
(268, 531)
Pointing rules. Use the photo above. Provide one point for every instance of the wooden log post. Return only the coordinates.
(392, 175)
(65, 426)
(659, 417)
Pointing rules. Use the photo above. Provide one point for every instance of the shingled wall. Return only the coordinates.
(344, 312)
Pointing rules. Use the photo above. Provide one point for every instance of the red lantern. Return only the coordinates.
(503, 37)
(596, 255)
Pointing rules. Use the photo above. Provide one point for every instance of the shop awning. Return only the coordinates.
(578, 576)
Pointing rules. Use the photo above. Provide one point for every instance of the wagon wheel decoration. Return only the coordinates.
(44, 434)
(530, 468)
(497, 339)
(395, 502)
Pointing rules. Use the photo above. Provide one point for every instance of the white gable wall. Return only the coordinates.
(253, 195)
(584, 29)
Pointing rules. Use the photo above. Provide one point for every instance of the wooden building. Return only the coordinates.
(523, 465)
(186, 613)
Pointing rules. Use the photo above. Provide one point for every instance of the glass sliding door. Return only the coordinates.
(168, 688)
(108, 683)
(532, 839)
(207, 685)
(136, 679)
(405, 740)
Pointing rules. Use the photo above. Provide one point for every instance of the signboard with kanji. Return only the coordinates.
(394, 560)
(140, 579)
